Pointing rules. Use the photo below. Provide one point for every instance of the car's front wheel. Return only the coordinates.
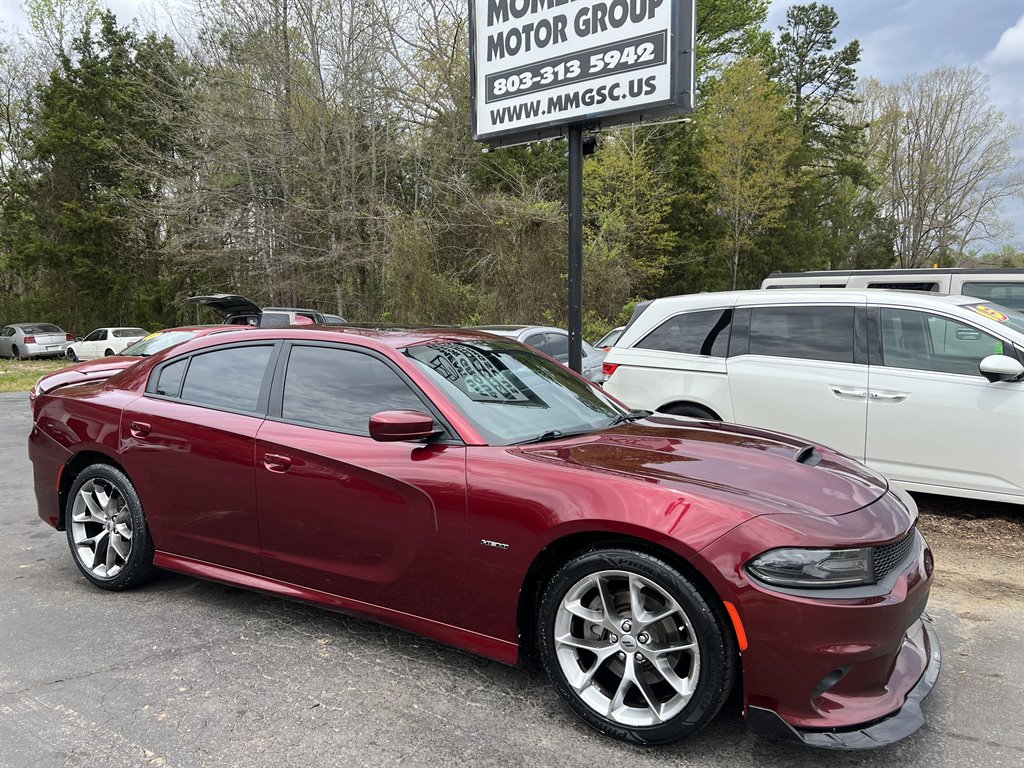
(72, 356)
(634, 647)
(107, 529)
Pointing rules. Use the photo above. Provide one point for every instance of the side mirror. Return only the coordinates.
(78, 339)
(398, 426)
(1000, 368)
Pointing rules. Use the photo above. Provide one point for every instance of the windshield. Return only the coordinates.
(157, 342)
(512, 395)
(1002, 315)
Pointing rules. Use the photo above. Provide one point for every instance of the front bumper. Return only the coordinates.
(907, 720)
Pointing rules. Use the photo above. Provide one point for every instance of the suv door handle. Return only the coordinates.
(139, 429)
(850, 393)
(276, 463)
(890, 397)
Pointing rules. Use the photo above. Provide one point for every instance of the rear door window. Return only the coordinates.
(692, 333)
(231, 379)
(169, 381)
(558, 344)
(341, 389)
(808, 333)
(538, 341)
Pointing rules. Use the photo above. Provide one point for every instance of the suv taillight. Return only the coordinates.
(30, 339)
(608, 369)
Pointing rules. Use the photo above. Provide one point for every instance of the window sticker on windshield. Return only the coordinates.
(480, 376)
(152, 336)
(990, 313)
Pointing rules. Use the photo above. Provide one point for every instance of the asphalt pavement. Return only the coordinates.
(188, 673)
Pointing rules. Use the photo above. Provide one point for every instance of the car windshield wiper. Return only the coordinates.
(634, 415)
(554, 434)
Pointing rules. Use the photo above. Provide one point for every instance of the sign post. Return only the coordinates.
(543, 69)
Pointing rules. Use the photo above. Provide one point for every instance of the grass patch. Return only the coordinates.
(20, 375)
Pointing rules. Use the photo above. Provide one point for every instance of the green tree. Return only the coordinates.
(69, 219)
(832, 221)
(748, 147)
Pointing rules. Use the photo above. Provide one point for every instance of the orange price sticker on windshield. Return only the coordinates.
(991, 314)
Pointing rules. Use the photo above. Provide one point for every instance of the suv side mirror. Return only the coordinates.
(398, 426)
(1000, 368)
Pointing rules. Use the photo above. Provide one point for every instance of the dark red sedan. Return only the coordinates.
(471, 490)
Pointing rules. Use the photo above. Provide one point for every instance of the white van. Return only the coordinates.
(1002, 286)
(926, 389)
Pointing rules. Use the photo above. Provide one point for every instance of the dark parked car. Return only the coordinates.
(238, 310)
(464, 487)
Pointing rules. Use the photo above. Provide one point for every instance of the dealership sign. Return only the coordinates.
(540, 65)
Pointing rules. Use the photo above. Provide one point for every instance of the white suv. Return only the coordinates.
(927, 389)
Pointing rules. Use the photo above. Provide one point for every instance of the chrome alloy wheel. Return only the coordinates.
(627, 648)
(101, 528)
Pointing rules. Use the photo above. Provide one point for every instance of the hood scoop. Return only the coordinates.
(808, 456)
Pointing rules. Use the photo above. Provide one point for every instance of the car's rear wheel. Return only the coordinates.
(107, 529)
(108, 353)
(633, 646)
(16, 353)
(72, 356)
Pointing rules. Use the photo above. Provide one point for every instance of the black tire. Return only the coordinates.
(707, 625)
(108, 353)
(72, 356)
(16, 353)
(138, 567)
(693, 411)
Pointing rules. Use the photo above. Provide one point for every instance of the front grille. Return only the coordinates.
(888, 556)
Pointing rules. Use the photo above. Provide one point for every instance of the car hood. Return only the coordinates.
(767, 471)
(227, 304)
(80, 373)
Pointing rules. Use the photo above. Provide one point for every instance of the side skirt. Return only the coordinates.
(467, 640)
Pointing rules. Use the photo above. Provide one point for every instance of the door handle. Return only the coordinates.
(276, 463)
(850, 393)
(139, 429)
(889, 397)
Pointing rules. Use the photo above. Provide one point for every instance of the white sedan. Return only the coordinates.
(927, 389)
(104, 342)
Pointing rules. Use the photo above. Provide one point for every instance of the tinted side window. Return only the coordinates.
(558, 344)
(95, 336)
(341, 389)
(169, 383)
(928, 287)
(811, 333)
(1006, 294)
(227, 378)
(275, 320)
(693, 333)
(538, 341)
(928, 342)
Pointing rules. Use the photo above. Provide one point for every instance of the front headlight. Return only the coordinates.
(814, 568)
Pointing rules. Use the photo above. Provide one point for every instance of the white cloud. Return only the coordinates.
(1010, 47)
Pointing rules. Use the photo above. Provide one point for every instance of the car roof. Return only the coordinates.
(810, 295)
(397, 337)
